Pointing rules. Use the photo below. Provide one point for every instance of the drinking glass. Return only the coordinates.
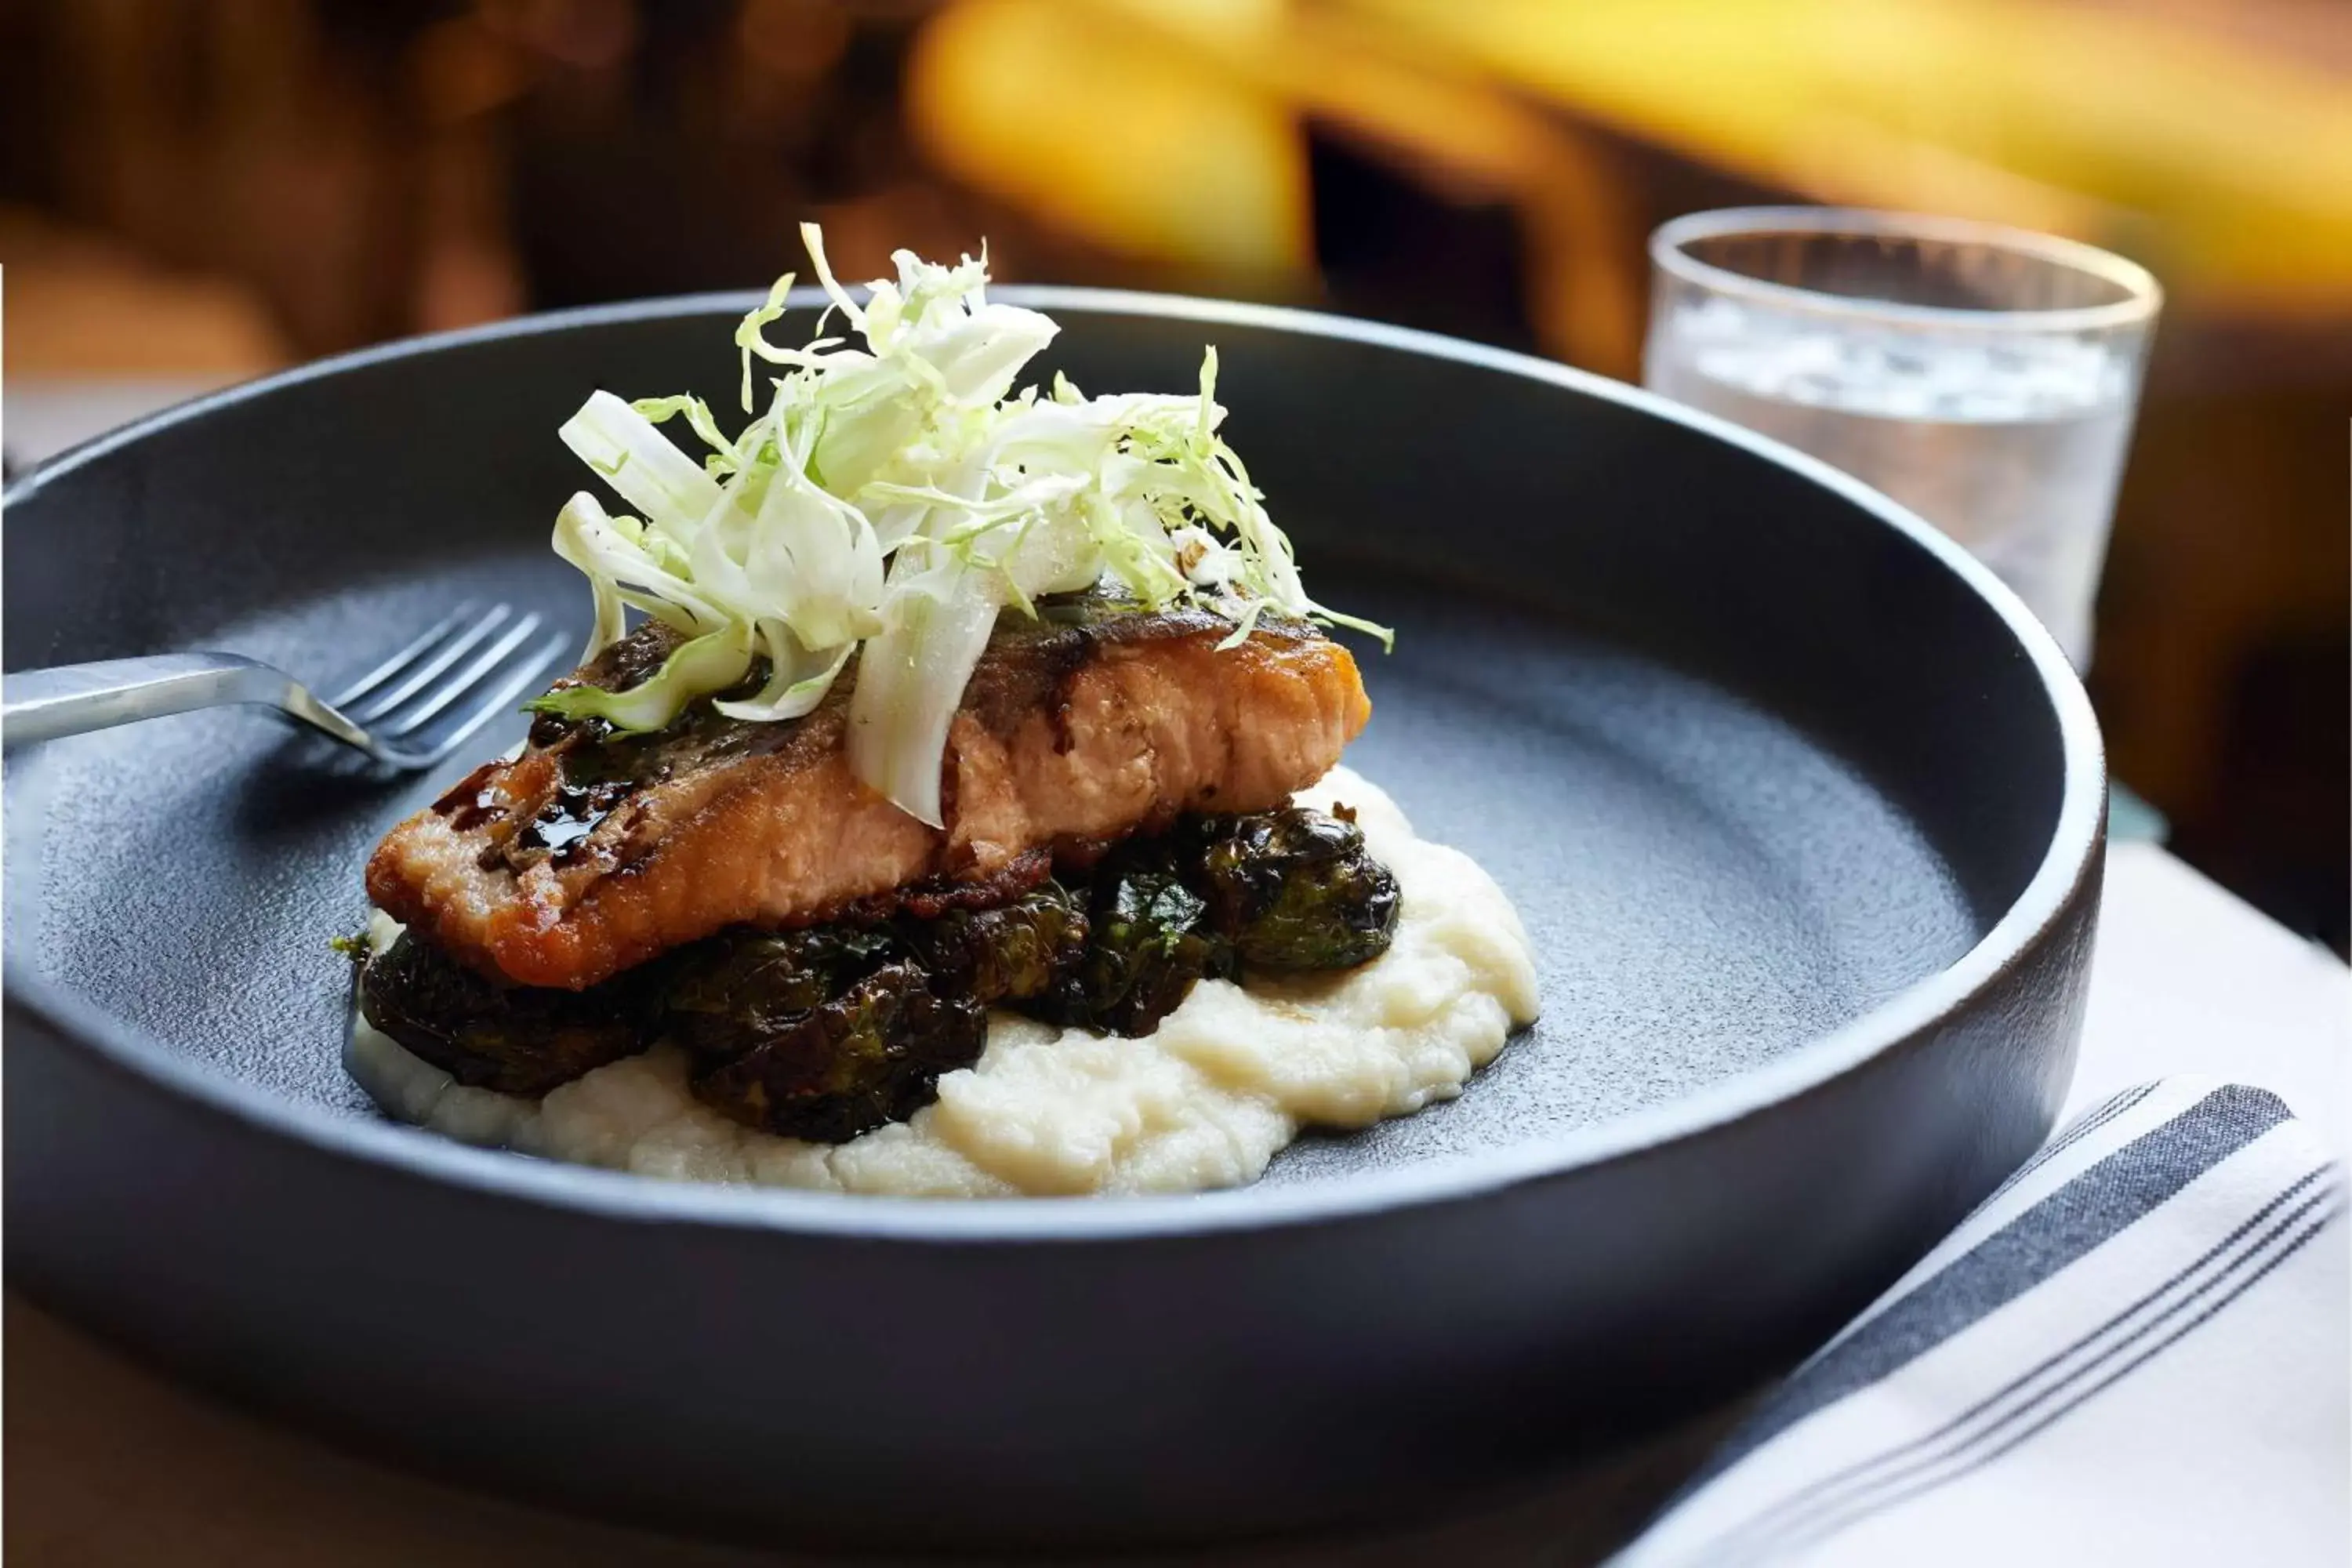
(1985, 377)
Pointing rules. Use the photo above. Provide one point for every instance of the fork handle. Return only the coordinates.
(73, 699)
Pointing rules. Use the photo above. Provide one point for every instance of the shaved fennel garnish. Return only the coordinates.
(890, 501)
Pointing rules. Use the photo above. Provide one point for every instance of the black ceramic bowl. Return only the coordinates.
(1803, 812)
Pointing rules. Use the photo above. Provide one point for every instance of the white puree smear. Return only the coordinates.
(1205, 1101)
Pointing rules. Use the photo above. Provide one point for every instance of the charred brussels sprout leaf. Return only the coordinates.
(1277, 891)
(1151, 944)
(1295, 890)
(821, 1033)
(1018, 951)
(723, 994)
(870, 1056)
(515, 1039)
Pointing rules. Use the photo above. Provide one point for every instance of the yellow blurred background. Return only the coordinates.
(192, 193)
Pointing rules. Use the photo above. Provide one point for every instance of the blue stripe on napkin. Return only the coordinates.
(1909, 1468)
(2114, 1194)
(1975, 1438)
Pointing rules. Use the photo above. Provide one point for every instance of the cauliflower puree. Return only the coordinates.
(1205, 1101)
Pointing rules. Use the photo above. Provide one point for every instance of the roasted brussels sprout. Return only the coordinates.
(516, 1040)
(831, 1031)
(726, 992)
(1151, 943)
(1009, 953)
(1295, 890)
(870, 1056)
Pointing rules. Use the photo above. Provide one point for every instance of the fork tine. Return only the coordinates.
(426, 673)
(399, 662)
(456, 686)
(501, 698)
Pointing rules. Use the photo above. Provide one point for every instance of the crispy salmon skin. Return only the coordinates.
(592, 852)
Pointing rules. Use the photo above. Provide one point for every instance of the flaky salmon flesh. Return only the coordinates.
(591, 852)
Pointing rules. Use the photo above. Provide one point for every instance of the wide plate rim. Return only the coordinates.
(1813, 1065)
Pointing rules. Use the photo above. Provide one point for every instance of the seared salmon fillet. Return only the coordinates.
(592, 852)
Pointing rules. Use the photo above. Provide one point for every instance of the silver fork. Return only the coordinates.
(410, 712)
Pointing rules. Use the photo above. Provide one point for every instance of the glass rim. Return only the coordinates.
(2142, 294)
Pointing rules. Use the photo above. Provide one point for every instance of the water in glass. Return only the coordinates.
(2011, 443)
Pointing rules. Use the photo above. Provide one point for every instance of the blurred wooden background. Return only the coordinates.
(212, 190)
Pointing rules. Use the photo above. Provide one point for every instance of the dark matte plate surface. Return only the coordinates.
(1800, 822)
(1708, 890)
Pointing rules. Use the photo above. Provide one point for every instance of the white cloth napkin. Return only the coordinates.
(2139, 1350)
